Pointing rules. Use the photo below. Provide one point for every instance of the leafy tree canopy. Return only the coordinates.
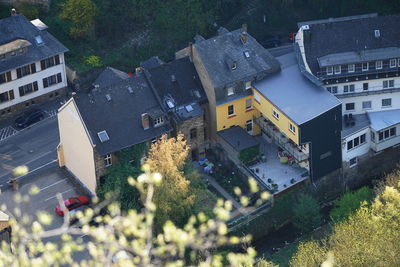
(306, 213)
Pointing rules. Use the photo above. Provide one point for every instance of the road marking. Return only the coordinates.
(47, 199)
(7, 132)
(41, 189)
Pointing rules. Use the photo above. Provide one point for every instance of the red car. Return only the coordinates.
(72, 203)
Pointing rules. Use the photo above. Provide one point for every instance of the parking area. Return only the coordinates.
(50, 182)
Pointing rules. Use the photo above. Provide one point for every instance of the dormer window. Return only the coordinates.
(365, 66)
(230, 91)
(378, 64)
(329, 70)
(39, 40)
(350, 68)
(158, 121)
(338, 69)
(248, 85)
(393, 63)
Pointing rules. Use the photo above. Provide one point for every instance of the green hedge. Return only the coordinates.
(250, 154)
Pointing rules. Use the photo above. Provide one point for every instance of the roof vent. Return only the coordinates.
(170, 104)
(145, 121)
(39, 39)
(377, 33)
(108, 97)
(103, 136)
(13, 12)
(243, 37)
(173, 78)
(189, 108)
(130, 90)
(246, 54)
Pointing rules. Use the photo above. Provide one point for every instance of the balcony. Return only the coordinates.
(279, 138)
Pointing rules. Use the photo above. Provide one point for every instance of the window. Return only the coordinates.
(193, 134)
(5, 77)
(366, 104)
(353, 162)
(338, 69)
(393, 63)
(388, 84)
(158, 121)
(275, 114)
(49, 62)
(373, 137)
(248, 104)
(347, 88)
(358, 141)
(7, 96)
(387, 102)
(107, 160)
(28, 88)
(51, 80)
(329, 70)
(378, 64)
(332, 89)
(365, 86)
(248, 85)
(257, 97)
(230, 91)
(398, 62)
(292, 128)
(365, 66)
(249, 125)
(350, 106)
(349, 144)
(231, 110)
(26, 70)
(388, 133)
(350, 68)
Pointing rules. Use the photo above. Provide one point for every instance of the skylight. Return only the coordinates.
(170, 104)
(39, 39)
(189, 108)
(130, 90)
(103, 136)
(246, 54)
(108, 97)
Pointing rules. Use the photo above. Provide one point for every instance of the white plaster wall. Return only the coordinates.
(358, 151)
(373, 85)
(38, 76)
(380, 145)
(376, 102)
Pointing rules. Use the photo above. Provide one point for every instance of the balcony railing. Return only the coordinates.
(281, 139)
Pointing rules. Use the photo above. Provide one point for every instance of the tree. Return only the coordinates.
(312, 254)
(82, 14)
(124, 239)
(176, 196)
(306, 213)
(350, 202)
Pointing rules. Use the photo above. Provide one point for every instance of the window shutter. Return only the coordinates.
(19, 74)
(21, 91)
(45, 83)
(35, 86)
(11, 94)
(59, 78)
(42, 65)
(33, 68)
(57, 59)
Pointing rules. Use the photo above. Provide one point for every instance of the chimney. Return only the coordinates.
(13, 12)
(145, 121)
(244, 27)
(243, 37)
(138, 70)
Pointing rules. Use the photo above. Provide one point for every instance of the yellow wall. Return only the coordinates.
(265, 107)
(75, 146)
(240, 117)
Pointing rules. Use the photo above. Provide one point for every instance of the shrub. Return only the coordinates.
(93, 61)
(306, 213)
(248, 155)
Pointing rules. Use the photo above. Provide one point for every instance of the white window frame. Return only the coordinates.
(158, 121)
(370, 104)
(251, 104)
(230, 91)
(387, 106)
(398, 62)
(393, 63)
(248, 85)
(345, 88)
(352, 69)
(378, 64)
(354, 104)
(292, 128)
(329, 70)
(390, 135)
(233, 110)
(257, 97)
(275, 114)
(355, 163)
(365, 64)
(388, 84)
(337, 69)
(108, 160)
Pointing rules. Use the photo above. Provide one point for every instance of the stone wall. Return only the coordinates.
(26, 105)
(198, 142)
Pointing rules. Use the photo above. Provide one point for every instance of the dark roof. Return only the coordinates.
(110, 76)
(361, 121)
(151, 63)
(120, 116)
(352, 34)
(178, 82)
(238, 138)
(20, 28)
(219, 53)
(293, 94)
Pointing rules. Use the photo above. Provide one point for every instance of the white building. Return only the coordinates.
(358, 60)
(32, 66)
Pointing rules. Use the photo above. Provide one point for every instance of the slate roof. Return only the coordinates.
(383, 119)
(110, 76)
(121, 116)
(238, 138)
(352, 34)
(218, 54)
(151, 63)
(177, 81)
(18, 27)
(293, 94)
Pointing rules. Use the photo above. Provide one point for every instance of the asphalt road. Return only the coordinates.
(33, 147)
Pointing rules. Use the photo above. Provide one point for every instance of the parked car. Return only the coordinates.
(72, 203)
(29, 118)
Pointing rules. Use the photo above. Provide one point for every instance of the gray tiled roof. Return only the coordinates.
(19, 27)
(121, 116)
(294, 94)
(218, 53)
(184, 90)
(151, 63)
(354, 34)
(238, 138)
(110, 76)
